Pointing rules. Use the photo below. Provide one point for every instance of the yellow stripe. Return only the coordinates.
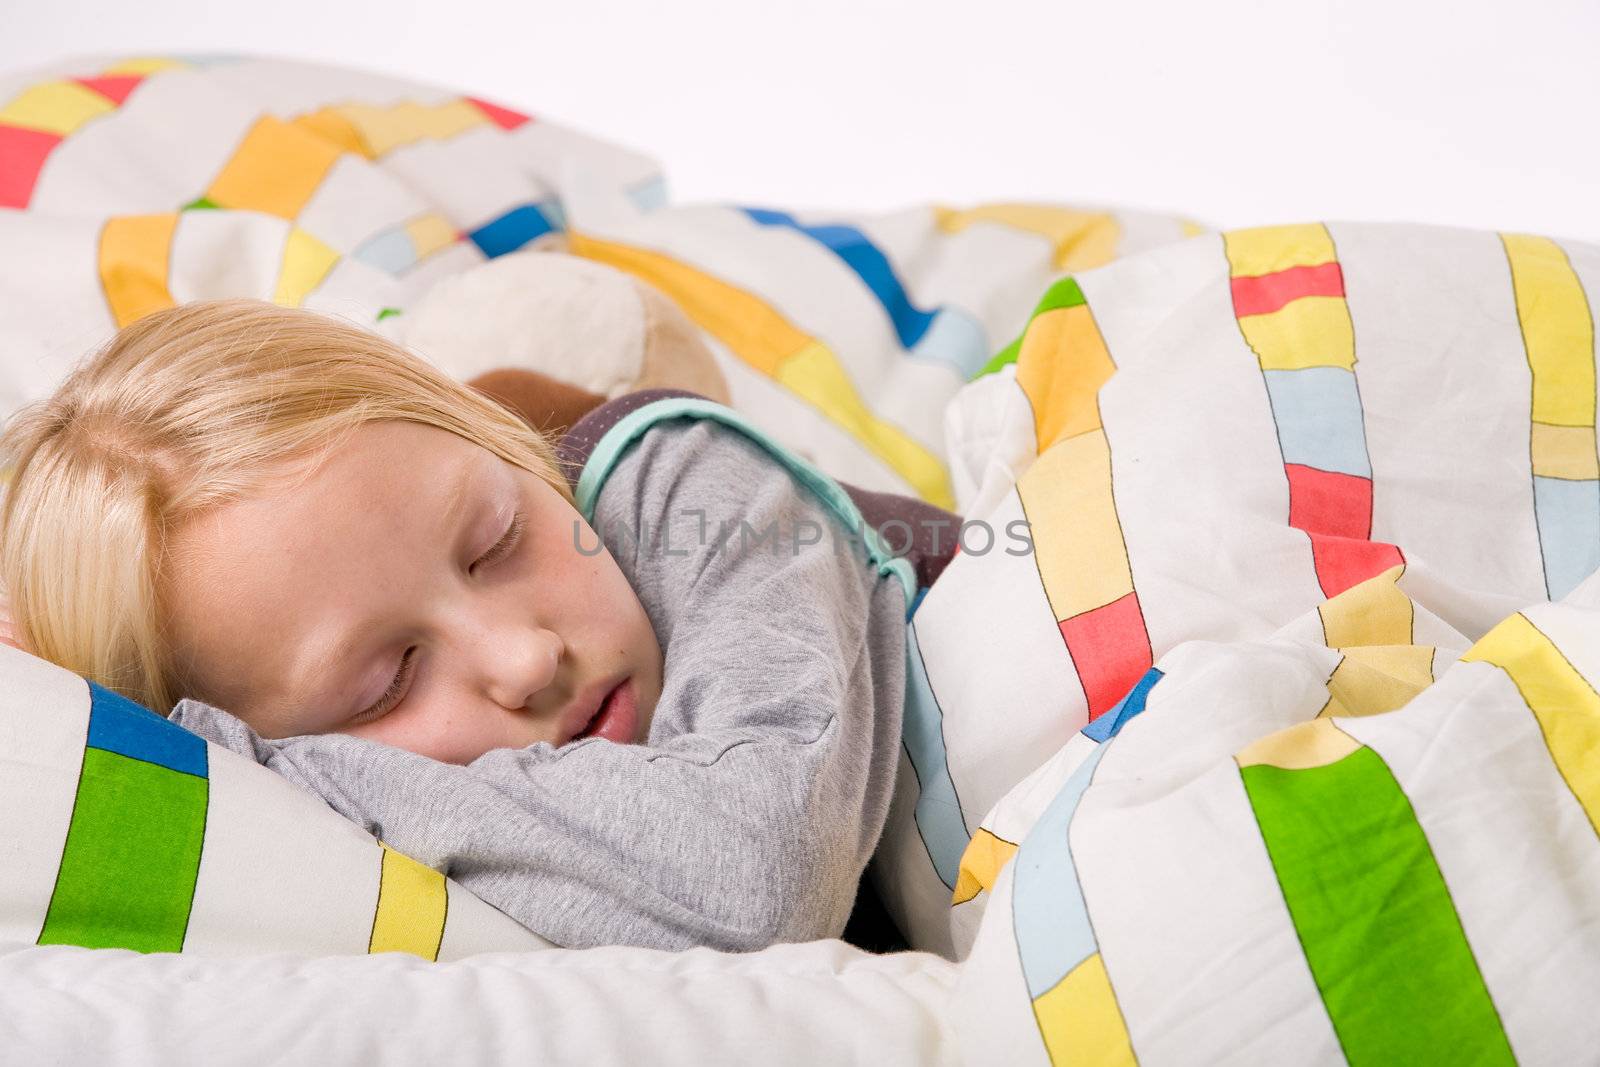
(275, 169)
(412, 904)
(1373, 612)
(331, 126)
(1080, 239)
(1077, 537)
(1316, 743)
(1565, 452)
(383, 129)
(1556, 330)
(1562, 700)
(145, 65)
(1061, 366)
(985, 855)
(751, 328)
(429, 233)
(306, 261)
(814, 375)
(135, 253)
(1312, 331)
(1372, 679)
(1268, 249)
(1333, 709)
(762, 338)
(1080, 1022)
(55, 107)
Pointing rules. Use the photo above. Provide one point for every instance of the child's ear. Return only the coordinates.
(547, 404)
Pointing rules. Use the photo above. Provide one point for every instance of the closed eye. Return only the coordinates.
(503, 547)
(392, 695)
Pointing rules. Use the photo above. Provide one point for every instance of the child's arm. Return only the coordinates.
(749, 816)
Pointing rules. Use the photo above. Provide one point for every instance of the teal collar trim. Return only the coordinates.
(609, 449)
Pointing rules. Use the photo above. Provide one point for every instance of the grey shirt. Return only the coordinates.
(749, 814)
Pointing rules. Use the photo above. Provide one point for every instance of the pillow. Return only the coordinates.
(123, 830)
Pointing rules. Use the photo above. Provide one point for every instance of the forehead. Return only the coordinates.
(247, 581)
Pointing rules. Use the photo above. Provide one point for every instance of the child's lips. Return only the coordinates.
(617, 718)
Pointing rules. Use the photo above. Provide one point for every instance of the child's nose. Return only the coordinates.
(520, 664)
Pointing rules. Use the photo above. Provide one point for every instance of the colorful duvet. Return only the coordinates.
(1279, 744)
(1309, 644)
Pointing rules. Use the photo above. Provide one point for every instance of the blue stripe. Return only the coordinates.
(769, 217)
(1049, 916)
(391, 251)
(1568, 513)
(938, 811)
(649, 195)
(1318, 412)
(870, 265)
(945, 334)
(1110, 724)
(955, 338)
(511, 231)
(117, 724)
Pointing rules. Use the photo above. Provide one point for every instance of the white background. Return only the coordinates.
(1234, 112)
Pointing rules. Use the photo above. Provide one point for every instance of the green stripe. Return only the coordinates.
(1002, 358)
(1374, 916)
(1065, 293)
(128, 870)
(610, 448)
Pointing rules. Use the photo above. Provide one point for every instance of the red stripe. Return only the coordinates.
(114, 87)
(1336, 511)
(1261, 293)
(1110, 648)
(1342, 561)
(502, 117)
(1324, 502)
(22, 156)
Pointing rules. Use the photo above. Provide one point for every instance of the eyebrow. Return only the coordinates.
(324, 669)
(322, 674)
(458, 491)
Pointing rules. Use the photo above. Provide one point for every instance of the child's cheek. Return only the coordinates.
(416, 727)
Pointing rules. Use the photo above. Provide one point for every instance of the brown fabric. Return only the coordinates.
(922, 533)
(545, 403)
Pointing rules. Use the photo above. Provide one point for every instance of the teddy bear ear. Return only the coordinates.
(675, 355)
(571, 319)
(547, 404)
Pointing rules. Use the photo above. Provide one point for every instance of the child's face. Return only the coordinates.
(383, 597)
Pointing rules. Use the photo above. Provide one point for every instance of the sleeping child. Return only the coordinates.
(675, 725)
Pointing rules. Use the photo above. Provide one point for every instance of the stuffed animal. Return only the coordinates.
(551, 336)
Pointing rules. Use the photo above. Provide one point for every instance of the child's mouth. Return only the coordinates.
(618, 718)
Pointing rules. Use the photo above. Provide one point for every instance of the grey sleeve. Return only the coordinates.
(749, 815)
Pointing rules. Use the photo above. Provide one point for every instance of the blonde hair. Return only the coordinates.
(182, 411)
